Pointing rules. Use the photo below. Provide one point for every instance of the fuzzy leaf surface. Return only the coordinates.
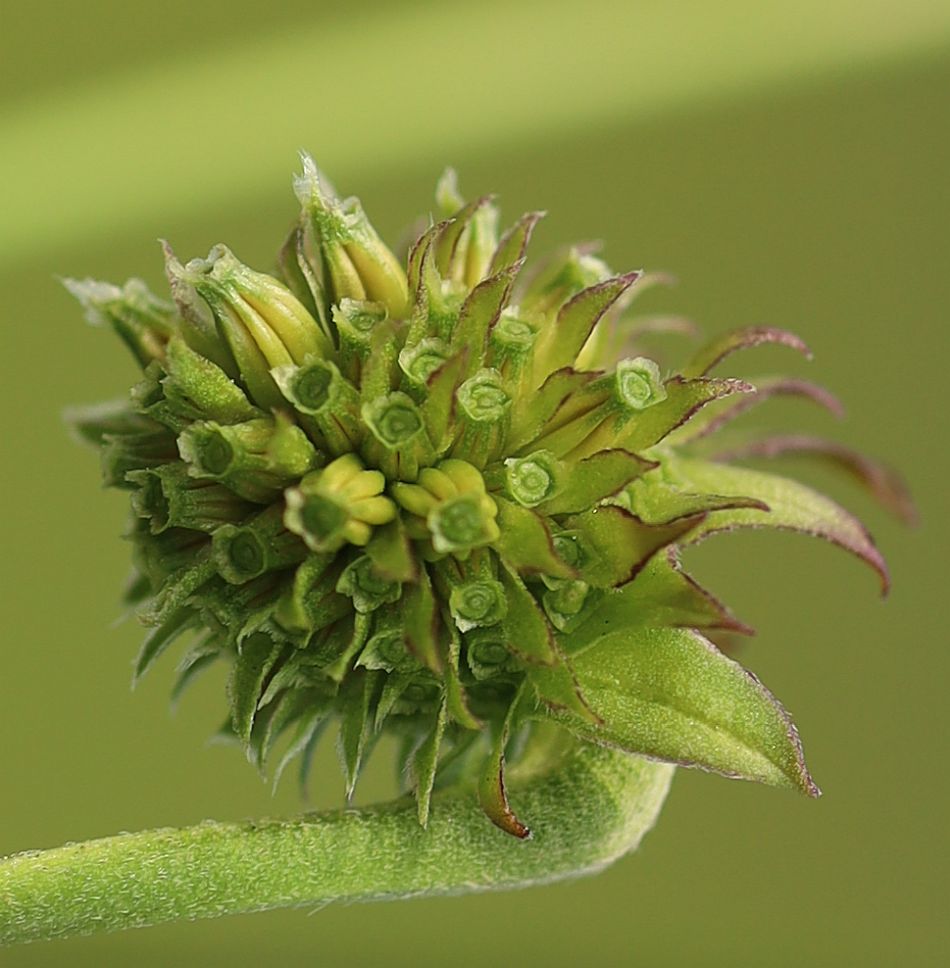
(670, 694)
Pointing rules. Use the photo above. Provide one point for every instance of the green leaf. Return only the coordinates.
(880, 480)
(355, 722)
(439, 406)
(251, 666)
(448, 239)
(479, 313)
(179, 587)
(792, 507)
(423, 765)
(654, 501)
(526, 629)
(420, 620)
(176, 623)
(419, 274)
(661, 595)
(391, 553)
(312, 602)
(456, 705)
(306, 734)
(347, 640)
(543, 409)
(300, 278)
(526, 543)
(514, 242)
(714, 417)
(616, 544)
(557, 688)
(599, 476)
(492, 794)
(289, 707)
(683, 399)
(669, 694)
(394, 685)
(740, 339)
(558, 344)
(198, 658)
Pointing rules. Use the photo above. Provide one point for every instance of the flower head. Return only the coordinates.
(424, 499)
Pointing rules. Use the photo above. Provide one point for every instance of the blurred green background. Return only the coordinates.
(788, 162)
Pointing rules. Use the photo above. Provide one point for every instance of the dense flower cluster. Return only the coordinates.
(427, 499)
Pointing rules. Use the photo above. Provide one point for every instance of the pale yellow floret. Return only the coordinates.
(373, 510)
(415, 499)
(363, 485)
(268, 342)
(465, 477)
(289, 318)
(439, 483)
(340, 472)
(357, 532)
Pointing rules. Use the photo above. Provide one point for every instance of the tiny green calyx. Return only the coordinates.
(423, 498)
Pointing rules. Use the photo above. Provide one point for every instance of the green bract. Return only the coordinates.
(422, 498)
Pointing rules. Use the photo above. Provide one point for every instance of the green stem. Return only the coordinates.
(588, 811)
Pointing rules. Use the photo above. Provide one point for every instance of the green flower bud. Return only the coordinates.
(533, 479)
(481, 602)
(356, 322)
(394, 420)
(156, 556)
(463, 523)
(256, 459)
(487, 653)
(262, 544)
(123, 453)
(483, 398)
(399, 444)
(511, 341)
(361, 265)
(483, 404)
(263, 324)
(569, 548)
(319, 390)
(569, 604)
(419, 362)
(368, 589)
(258, 296)
(386, 650)
(170, 498)
(312, 389)
(421, 695)
(639, 384)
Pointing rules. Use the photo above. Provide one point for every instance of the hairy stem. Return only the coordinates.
(588, 811)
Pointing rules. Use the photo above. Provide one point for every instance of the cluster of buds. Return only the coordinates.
(424, 498)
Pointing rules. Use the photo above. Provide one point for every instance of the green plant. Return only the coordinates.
(430, 501)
